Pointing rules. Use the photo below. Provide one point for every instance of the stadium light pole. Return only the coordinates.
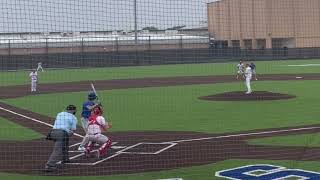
(135, 23)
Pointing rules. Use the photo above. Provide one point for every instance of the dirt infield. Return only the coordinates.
(142, 151)
(241, 96)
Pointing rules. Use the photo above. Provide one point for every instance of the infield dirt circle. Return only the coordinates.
(136, 152)
(241, 96)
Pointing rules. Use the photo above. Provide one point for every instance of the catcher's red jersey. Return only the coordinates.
(95, 124)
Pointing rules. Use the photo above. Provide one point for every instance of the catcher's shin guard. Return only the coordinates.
(105, 147)
(89, 148)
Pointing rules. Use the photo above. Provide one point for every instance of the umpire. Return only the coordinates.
(64, 126)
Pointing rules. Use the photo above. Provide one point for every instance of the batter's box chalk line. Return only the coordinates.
(124, 151)
(170, 144)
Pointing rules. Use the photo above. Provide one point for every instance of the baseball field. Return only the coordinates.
(185, 121)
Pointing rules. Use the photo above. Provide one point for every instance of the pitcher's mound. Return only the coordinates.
(241, 96)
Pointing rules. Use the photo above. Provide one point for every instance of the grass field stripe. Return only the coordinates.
(33, 119)
(301, 65)
(244, 134)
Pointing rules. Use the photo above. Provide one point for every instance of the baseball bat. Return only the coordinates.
(94, 90)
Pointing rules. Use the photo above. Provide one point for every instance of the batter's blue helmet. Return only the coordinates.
(92, 96)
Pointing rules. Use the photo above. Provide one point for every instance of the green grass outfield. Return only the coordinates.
(205, 172)
(178, 108)
(13, 132)
(50, 76)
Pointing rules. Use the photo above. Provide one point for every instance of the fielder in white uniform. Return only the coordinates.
(240, 68)
(34, 79)
(248, 75)
(97, 124)
(40, 67)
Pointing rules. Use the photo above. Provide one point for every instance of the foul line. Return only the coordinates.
(32, 119)
(244, 134)
(301, 65)
(173, 142)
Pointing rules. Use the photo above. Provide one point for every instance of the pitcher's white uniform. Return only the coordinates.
(240, 69)
(39, 66)
(248, 75)
(34, 79)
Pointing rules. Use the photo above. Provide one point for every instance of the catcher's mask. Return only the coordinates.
(92, 96)
(97, 111)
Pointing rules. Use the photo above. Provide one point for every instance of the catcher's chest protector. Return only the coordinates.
(93, 120)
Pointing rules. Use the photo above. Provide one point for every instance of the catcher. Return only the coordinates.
(97, 125)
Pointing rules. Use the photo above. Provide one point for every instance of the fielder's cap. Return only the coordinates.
(71, 107)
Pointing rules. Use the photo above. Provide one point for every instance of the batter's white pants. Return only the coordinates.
(84, 124)
(33, 86)
(248, 84)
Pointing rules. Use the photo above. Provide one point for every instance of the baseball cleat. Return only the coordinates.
(81, 148)
(50, 168)
(65, 161)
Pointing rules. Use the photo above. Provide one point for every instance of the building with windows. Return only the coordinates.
(260, 24)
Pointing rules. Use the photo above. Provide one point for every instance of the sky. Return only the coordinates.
(98, 15)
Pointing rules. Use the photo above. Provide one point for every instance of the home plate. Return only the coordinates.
(298, 77)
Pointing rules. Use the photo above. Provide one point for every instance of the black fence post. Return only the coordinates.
(47, 50)
(9, 53)
(9, 48)
(136, 53)
(82, 53)
(117, 50)
(181, 49)
(149, 50)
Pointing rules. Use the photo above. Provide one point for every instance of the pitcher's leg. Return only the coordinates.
(248, 86)
(34, 86)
